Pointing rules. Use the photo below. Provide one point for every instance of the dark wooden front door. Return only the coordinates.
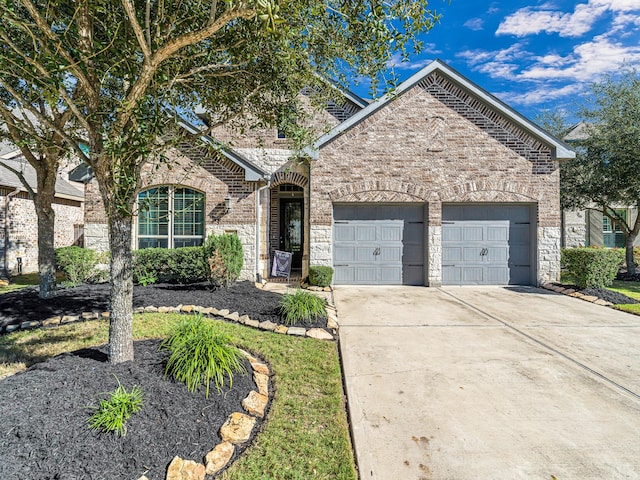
(291, 229)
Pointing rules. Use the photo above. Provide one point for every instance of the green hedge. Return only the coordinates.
(177, 265)
(592, 267)
(320, 276)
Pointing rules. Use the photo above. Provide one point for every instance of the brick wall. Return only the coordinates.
(23, 229)
(435, 143)
(202, 170)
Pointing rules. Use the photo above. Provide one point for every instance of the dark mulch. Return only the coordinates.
(242, 297)
(604, 294)
(44, 410)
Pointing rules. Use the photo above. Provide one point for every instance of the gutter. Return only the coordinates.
(6, 228)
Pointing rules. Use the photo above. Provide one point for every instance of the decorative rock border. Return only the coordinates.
(235, 431)
(317, 333)
(574, 293)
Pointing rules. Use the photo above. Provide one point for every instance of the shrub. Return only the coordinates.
(182, 265)
(77, 263)
(197, 355)
(301, 306)
(320, 276)
(224, 257)
(112, 414)
(592, 267)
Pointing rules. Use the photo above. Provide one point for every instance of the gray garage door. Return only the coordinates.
(486, 244)
(378, 244)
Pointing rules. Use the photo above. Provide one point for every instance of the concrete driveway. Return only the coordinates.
(489, 383)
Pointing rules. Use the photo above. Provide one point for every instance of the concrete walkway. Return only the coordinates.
(489, 383)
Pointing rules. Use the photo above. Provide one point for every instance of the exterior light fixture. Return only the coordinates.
(227, 203)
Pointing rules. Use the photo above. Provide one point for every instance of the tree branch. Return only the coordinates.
(137, 29)
(20, 176)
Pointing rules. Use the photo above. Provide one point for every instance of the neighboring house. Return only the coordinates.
(440, 183)
(18, 221)
(590, 227)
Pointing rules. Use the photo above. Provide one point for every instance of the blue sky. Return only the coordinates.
(533, 55)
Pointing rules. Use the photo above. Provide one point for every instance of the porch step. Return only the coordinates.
(297, 280)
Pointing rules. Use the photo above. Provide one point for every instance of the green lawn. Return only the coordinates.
(26, 280)
(306, 435)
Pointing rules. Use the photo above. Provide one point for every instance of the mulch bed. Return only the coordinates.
(242, 297)
(602, 293)
(44, 433)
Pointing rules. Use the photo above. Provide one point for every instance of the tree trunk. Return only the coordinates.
(43, 202)
(121, 311)
(631, 264)
(46, 249)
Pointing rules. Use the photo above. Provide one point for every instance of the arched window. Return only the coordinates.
(170, 217)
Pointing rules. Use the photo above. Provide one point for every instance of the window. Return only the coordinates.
(170, 217)
(606, 221)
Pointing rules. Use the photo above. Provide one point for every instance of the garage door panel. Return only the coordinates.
(379, 244)
(498, 255)
(391, 275)
(472, 254)
(498, 233)
(497, 276)
(344, 233)
(344, 253)
(486, 244)
(390, 254)
(391, 233)
(451, 275)
(365, 254)
(365, 233)
(451, 254)
(472, 275)
(473, 234)
(451, 233)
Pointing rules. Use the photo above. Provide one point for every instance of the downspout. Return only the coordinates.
(6, 229)
(258, 221)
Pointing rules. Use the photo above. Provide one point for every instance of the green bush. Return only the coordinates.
(182, 265)
(197, 355)
(592, 267)
(320, 276)
(301, 306)
(112, 414)
(77, 263)
(225, 258)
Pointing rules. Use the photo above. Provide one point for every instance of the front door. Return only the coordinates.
(291, 229)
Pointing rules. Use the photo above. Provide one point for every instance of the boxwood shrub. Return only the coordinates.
(592, 267)
(320, 276)
(77, 263)
(177, 265)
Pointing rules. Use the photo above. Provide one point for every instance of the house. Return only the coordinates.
(18, 224)
(439, 183)
(590, 227)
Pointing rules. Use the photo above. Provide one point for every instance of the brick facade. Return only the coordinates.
(23, 229)
(469, 153)
(433, 143)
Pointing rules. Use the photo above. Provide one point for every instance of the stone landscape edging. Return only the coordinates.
(572, 292)
(236, 430)
(315, 332)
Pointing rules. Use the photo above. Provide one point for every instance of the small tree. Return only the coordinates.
(605, 173)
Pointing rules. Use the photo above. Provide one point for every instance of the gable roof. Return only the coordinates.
(15, 160)
(560, 151)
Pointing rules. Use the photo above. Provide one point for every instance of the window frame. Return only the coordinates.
(171, 223)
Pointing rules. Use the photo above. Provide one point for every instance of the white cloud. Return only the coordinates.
(529, 21)
(587, 62)
(474, 24)
(396, 63)
(541, 94)
(618, 5)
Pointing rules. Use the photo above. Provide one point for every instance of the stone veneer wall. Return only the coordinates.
(23, 228)
(434, 144)
(574, 228)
